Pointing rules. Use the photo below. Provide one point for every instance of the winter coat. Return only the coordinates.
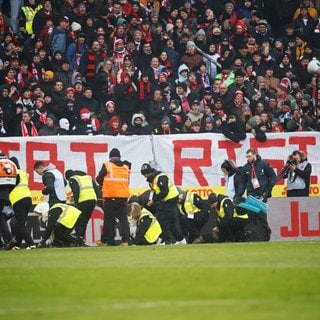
(265, 175)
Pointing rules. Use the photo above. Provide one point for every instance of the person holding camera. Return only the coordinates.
(298, 175)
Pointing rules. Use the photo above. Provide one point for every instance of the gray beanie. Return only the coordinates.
(165, 119)
(253, 121)
(190, 43)
(229, 4)
(176, 102)
(201, 31)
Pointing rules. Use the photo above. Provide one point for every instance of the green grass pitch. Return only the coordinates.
(273, 280)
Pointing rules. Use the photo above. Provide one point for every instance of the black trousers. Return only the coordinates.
(115, 208)
(260, 229)
(165, 215)
(19, 229)
(86, 208)
(5, 233)
(233, 231)
(191, 228)
(298, 193)
(63, 237)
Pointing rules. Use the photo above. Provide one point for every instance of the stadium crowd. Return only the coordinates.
(158, 67)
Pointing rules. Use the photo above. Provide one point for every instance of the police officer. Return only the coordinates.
(85, 194)
(230, 223)
(166, 193)
(21, 201)
(61, 221)
(148, 228)
(114, 178)
(54, 183)
(194, 214)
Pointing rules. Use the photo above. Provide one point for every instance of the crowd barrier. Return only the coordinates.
(290, 219)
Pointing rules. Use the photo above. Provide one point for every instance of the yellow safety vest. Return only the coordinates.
(173, 191)
(86, 190)
(154, 230)
(68, 216)
(30, 14)
(116, 182)
(188, 204)
(22, 190)
(235, 215)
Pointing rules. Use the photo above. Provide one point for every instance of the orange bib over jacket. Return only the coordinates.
(116, 181)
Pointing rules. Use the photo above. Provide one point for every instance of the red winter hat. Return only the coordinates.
(164, 74)
(118, 41)
(40, 99)
(84, 114)
(113, 119)
(241, 24)
(123, 75)
(238, 92)
(285, 84)
(109, 103)
(70, 89)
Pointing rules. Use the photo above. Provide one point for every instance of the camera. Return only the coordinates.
(290, 161)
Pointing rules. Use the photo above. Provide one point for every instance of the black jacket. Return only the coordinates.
(265, 175)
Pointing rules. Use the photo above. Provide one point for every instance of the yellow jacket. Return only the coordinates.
(22, 190)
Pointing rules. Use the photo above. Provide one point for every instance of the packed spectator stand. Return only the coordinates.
(125, 67)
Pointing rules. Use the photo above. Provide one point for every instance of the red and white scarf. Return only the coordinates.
(25, 132)
(36, 74)
(42, 116)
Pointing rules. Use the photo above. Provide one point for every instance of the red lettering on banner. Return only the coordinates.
(294, 232)
(194, 163)
(269, 143)
(230, 147)
(299, 223)
(6, 147)
(302, 142)
(31, 148)
(95, 226)
(305, 231)
(89, 149)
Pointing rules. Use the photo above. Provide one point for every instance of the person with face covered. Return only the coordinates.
(139, 125)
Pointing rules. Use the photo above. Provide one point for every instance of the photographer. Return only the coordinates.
(298, 175)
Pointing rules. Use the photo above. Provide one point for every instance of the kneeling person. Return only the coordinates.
(230, 224)
(194, 214)
(61, 221)
(148, 228)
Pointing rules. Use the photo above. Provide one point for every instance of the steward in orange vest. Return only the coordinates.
(114, 179)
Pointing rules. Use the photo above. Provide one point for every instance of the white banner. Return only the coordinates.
(192, 160)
